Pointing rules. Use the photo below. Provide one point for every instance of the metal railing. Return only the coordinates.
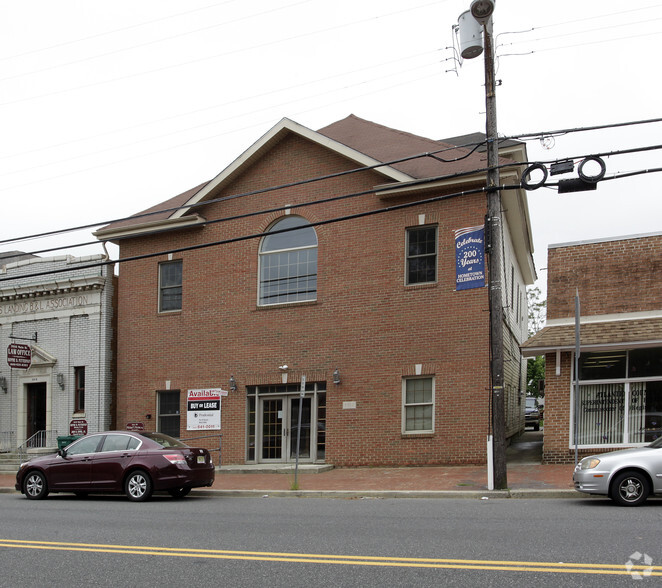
(38, 440)
(7, 441)
(217, 462)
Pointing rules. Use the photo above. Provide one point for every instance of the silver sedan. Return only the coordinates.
(627, 476)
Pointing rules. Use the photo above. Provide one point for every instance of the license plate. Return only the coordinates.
(201, 459)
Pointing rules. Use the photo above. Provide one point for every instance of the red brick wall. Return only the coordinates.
(365, 321)
(612, 277)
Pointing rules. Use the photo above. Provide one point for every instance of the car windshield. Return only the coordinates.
(656, 443)
(164, 440)
(530, 402)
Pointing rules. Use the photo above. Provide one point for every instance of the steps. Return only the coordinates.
(9, 463)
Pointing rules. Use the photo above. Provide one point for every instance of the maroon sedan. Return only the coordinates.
(118, 461)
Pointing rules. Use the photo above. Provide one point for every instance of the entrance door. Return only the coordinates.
(36, 408)
(272, 429)
(280, 422)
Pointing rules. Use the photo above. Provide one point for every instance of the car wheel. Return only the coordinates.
(179, 492)
(35, 486)
(138, 486)
(630, 489)
(536, 427)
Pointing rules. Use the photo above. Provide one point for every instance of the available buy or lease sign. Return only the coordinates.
(204, 409)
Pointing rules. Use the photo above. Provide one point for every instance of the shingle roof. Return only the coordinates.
(620, 332)
(377, 142)
(386, 144)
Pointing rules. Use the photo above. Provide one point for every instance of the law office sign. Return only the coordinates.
(469, 258)
(19, 356)
(204, 409)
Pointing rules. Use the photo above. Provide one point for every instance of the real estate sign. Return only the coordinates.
(204, 409)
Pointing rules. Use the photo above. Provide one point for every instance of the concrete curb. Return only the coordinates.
(361, 494)
(376, 494)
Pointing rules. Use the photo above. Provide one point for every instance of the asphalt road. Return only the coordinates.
(108, 541)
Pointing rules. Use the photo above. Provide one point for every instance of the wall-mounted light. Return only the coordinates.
(148, 416)
(60, 380)
(336, 376)
(233, 384)
(3, 384)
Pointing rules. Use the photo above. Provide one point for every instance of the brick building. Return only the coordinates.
(291, 266)
(619, 281)
(62, 322)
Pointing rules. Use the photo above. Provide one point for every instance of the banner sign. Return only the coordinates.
(469, 258)
(204, 409)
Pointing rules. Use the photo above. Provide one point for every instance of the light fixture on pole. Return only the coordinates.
(482, 11)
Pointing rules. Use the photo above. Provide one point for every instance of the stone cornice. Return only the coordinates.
(54, 288)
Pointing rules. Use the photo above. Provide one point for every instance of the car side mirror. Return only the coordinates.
(62, 452)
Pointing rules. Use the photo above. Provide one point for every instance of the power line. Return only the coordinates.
(206, 245)
(336, 175)
(334, 220)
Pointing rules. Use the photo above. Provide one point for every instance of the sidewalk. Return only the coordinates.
(526, 478)
(469, 481)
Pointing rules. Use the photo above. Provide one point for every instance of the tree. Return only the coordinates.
(537, 309)
(535, 367)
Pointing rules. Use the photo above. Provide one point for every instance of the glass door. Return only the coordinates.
(280, 428)
(272, 429)
(303, 438)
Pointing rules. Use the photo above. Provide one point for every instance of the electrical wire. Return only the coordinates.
(259, 235)
(321, 201)
(334, 220)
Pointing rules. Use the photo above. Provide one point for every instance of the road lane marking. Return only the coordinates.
(418, 562)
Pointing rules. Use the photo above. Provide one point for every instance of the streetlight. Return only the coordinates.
(482, 10)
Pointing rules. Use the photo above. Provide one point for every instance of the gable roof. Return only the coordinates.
(365, 144)
(389, 145)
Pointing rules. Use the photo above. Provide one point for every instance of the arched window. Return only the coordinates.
(288, 262)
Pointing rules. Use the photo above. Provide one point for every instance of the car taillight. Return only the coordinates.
(175, 458)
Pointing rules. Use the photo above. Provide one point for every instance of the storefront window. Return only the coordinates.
(626, 411)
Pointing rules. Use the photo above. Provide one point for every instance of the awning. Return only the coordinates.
(595, 335)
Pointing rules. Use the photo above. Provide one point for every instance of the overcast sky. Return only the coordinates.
(107, 108)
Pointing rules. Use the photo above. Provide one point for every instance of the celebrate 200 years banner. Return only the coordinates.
(469, 258)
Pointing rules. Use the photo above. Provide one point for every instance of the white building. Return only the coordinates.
(56, 347)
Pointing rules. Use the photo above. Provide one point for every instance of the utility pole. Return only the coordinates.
(472, 27)
(495, 291)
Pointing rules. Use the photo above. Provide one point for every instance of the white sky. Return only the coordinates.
(107, 108)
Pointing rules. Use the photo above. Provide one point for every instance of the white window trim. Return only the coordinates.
(436, 254)
(626, 399)
(159, 293)
(261, 254)
(404, 406)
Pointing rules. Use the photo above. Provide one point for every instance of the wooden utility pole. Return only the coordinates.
(495, 291)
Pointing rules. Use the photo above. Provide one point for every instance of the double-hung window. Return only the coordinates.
(79, 382)
(288, 262)
(421, 255)
(168, 416)
(418, 405)
(170, 286)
